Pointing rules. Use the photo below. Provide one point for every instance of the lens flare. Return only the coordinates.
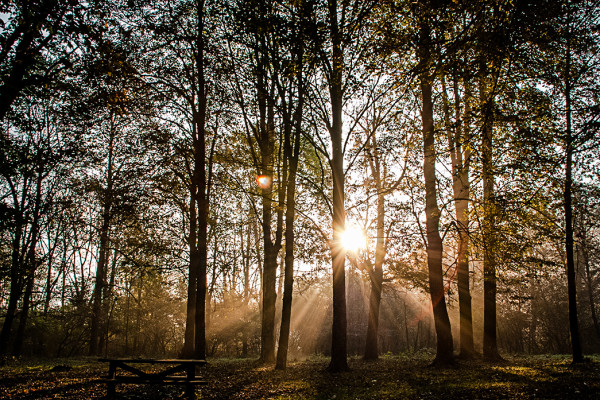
(263, 181)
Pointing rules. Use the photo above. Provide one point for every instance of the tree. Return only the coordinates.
(460, 157)
(495, 25)
(490, 346)
(200, 185)
(36, 154)
(24, 175)
(180, 67)
(32, 30)
(383, 187)
(379, 147)
(110, 108)
(579, 62)
(568, 204)
(291, 150)
(338, 338)
(258, 22)
(434, 241)
(585, 226)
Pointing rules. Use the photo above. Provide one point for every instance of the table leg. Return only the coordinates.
(110, 386)
(112, 368)
(111, 390)
(190, 388)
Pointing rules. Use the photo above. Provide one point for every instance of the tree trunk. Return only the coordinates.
(376, 274)
(108, 302)
(269, 280)
(188, 346)
(101, 271)
(195, 331)
(127, 315)
(31, 263)
(246, 265)
(203, 191)
(339, 361)
(49, 284)
(16, 288)
(490, 342)
(288, 285)
(460, 158)
(259, 259)
(590, 287)
(588, 278)
(18, 344)
(30, 260)
(102, 265)
(571, 284)
(292, 153)
(268, 316)
(376, 278)
(467, 349)
(48, 288)
(434, 241)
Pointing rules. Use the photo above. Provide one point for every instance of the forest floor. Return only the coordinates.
(391, 377)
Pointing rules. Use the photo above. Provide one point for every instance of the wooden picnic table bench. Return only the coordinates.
(178, 372)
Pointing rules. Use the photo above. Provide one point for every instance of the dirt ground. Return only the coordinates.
(391, 377)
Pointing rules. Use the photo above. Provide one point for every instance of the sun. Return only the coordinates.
(353, 239)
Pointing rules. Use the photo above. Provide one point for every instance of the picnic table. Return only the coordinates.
(176, 372)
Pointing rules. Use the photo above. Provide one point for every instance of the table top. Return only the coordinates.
(153, 361)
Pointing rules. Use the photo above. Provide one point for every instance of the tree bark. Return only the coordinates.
(203, 191)
(568, 206)
(339, 361)
(376, 274)
(460, 158)
(376, 278)
(590, 287)
(30, 259)
(189, 335)
(101, 269)
(16, 287)
(269, 281)
(271, 249)
(246, 266)
(490, 341)
(288, 285)
(292, 152)
(18, 343)
(584, 246)
(444, 349)
(195, 331)
(49, 286)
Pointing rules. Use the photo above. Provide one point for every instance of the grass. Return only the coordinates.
(391, 377)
